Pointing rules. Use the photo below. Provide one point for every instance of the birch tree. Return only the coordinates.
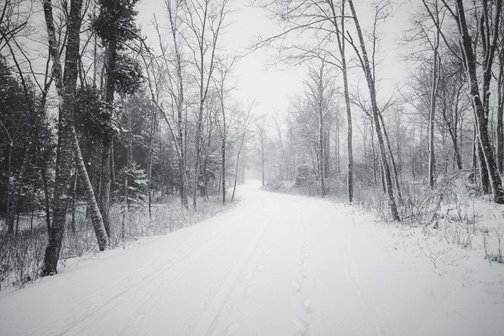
(67, 141)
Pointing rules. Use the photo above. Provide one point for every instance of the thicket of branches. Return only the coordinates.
(101, 128)
(444, 124)
(100, 125)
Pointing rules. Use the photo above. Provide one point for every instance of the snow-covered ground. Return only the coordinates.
(273, 265)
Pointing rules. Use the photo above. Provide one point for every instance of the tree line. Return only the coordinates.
(108, 117)
(92, 111)
(445, 120)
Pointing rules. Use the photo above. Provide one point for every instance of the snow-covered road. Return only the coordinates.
(273, 265)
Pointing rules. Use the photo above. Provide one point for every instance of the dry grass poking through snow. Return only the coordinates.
(453, 213)
(21, 256)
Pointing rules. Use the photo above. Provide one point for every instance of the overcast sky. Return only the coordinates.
(272, 87)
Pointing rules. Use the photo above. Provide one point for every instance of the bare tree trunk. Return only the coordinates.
(500, 113)
(199, 123)
(105, 181)
(66, 88)
(341, 47)
(392, 160)
(17, 221)
(262, 163)
(374, 105)
(321, 150)
(327, 151)
(47, 201)
(107, 141)
(373, 152)
(181, 148)
(413, 156)
(66, 92)
(94, 211)
(73, 205)
(474, 146)
(452, 128)
(478, 105)
(206, 46)
(204, 190)
(223, 160)
(432, 112)
(337, 165)
(153, 128)
(10, 228)
(242, 141)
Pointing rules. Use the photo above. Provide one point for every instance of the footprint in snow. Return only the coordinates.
(301, 325)
(308, 306)
(296, 286)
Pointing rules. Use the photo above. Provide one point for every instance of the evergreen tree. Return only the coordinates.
(115, 27)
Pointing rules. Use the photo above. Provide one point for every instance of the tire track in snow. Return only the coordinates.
(118, 288)
(147, 279)
(134, 326)
(214, 309)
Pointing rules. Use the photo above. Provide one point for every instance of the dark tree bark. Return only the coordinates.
(173, 9)
(10, 228)
(392, 160)
(73, 203)
(67, 141)
(223, 148)
(321, 152)
(242, 141)
(341, 47)
(376, 119)
(152, 131)
(107, 141)
(480, 106)
(432, 112)
(321, 149)
(262, 164)
(261, 133)
(500, 113)
(452, 126)
(66, 91)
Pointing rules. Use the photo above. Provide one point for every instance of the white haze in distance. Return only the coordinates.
(272, 86)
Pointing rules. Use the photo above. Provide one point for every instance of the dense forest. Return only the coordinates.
(107, 134)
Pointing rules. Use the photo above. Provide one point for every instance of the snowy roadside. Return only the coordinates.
(452, 216)
(21, 256)
(465, 288)
(273, 265)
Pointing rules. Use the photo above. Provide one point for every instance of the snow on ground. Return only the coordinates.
(273, 265)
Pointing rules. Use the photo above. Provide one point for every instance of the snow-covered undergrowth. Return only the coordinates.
(275, 264)
(476, 223)
(452, 213)
(21, 255)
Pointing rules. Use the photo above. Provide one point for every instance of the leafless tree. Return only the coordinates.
(369, 72)
(67, 139)
(204, 20)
